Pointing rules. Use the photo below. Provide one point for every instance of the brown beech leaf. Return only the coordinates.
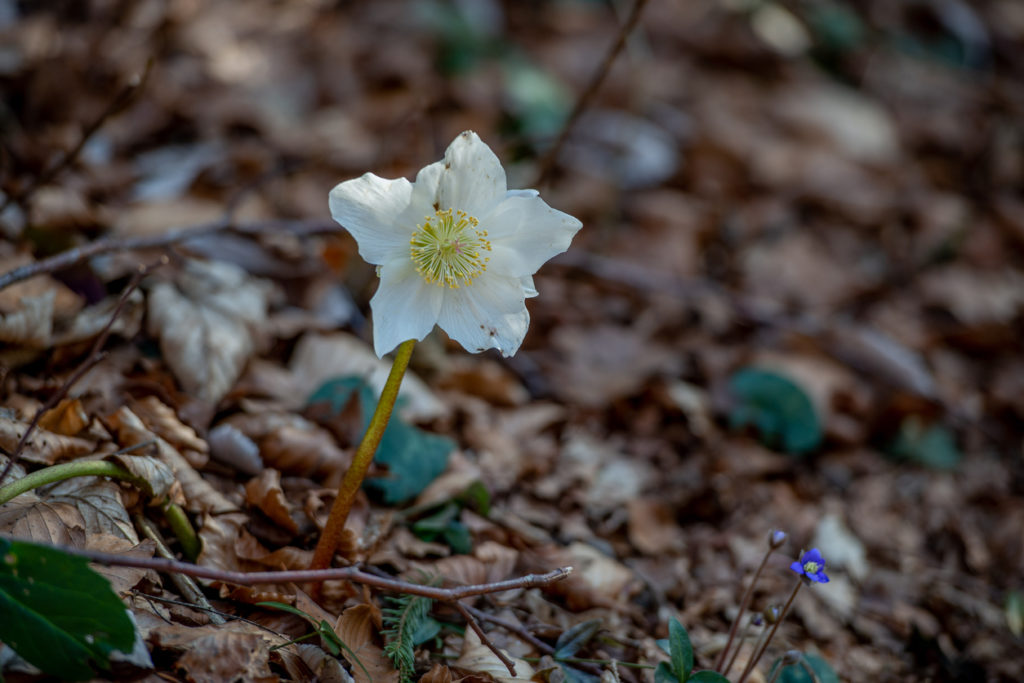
(479, 658)
(91, 321)
(294, 445)
(158, 475)
(265, 493)
(29, 518)
(200, 496)
(68, 418)
(161, 419)
(211, 654)
(306, 662)
(31, 324)
(206, 322)
(356, 629)
(439, 673)
(43, 446)
(99, 502)
(122, 579)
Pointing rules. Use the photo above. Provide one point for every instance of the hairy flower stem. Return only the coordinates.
(739, 615)
(758, 653)
(331, 537)
(739, 646)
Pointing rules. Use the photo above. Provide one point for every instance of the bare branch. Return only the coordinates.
(547, 163)
(71, 257)
(509, 664)
(354, 574)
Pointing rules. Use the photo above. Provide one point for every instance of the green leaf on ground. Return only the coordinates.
(414, 457)
(798, 673)
(57, 613)
(777, 407)
(930, 445)
(680, 650)
(707, 677)
(571, 640)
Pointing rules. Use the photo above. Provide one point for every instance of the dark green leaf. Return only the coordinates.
(707, 677)
(663, 644)
(571, 640)
(57, 613)
(414, 458)
(477, 498)
(574, 675)
(681, 651)
(458, 538)
(798, 673)
(1014, 608)
(663, 673)
(779, 409)
(930, 445)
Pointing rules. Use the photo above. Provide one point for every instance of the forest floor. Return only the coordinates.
(797, 303)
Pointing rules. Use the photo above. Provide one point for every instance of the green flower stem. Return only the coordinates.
(757, 654)
(331, 537)
(69, 470)
(183, 531)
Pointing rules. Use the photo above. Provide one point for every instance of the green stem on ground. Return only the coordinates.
(334, 530)
(182, 529)
(69, 470)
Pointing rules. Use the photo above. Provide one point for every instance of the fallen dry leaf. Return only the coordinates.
(43, 447)
(68, 418)
(265, 493)
(357, 629)
(212, 654)
(205, 323)
(478, 658)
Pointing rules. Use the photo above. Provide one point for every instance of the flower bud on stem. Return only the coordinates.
(331, 537)
(758, 653)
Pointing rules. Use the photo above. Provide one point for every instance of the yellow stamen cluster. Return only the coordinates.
(448, 249)
(811, 567)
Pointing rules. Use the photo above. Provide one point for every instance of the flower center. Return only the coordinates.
(811, 567)
(448, 249)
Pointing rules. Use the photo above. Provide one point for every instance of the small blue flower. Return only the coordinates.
(811, 566)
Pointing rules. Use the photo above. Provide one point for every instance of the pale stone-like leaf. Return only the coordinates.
(205, 323)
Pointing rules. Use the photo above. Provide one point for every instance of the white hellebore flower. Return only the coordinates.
(455, 248)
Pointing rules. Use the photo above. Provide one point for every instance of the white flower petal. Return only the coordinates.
(404, 307)
(525, 232)
(368, 207)
(424, 201)
(489, 314)
(474, 180)
(529, 290)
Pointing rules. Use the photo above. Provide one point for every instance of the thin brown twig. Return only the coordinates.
(224, 616)
(95, 356)
(353, 574)
(509, 664)
(121, 100)
(71, 257)
(547, 162)
(526, 636)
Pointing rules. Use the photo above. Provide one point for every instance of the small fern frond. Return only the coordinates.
(407, 623)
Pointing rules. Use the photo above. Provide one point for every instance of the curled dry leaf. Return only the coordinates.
(294, 445)
(200, 496)
(157, 475)
(205, 323)
(312, 663)
(43, 446)
(479, 658)
(357, 629)
(68, 418)
(161, 419)
(265, 493)
(227, 652)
